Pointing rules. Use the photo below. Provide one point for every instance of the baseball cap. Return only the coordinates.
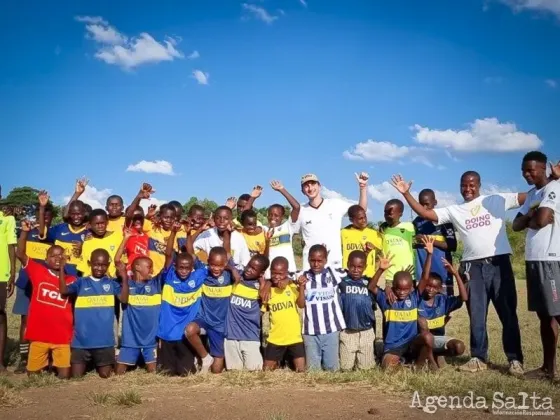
(309, 178)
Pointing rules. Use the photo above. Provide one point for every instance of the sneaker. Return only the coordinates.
(516, 368)
(474, 365)
(206, 363)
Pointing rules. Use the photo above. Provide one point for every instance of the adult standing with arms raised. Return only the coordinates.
(481, 224)
(320, 219)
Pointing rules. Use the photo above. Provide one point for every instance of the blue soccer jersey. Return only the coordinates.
(244, 313)
(94, 312)
(357, 304)
(65, 235)
(180, 302)
(141, 313)
(436, 314)
(401, 319)
(216, 293)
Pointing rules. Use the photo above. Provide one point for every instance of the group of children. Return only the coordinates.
(190, 294)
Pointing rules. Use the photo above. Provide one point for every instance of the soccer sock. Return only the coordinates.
(23, 352)
(207, 358)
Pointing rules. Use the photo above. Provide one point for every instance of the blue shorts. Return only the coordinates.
(23, 297)
(131, 355)
(215, 338)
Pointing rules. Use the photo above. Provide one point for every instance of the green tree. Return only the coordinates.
(25, 198)
(209, 205)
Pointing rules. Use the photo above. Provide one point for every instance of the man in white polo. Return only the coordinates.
(481, 224)
(320, 219)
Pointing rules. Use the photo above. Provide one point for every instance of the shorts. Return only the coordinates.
(104, 356)
(131, 355)
(440, 342)
(215, 338)
(38, 358)
(404, 351)
(21, 304)
(241, 355)
(176, 358)
(3, 295)
(543, 287)
(277, 353)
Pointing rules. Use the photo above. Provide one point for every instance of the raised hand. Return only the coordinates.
(276, 185)
(231, 202)
(409, 269)
(81, 185)
(26, 225)
(43, 198)
(449, 267)
(400, 184)
(428, 242)
(146, 191)
(176, 227)
(257, 191)
(555, 170)
(368, 247)
(386, 261)
(127, 233)
(269, 234)
(152, 208)
(362, 179)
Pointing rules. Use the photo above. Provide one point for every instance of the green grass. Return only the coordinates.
(39, 381)
(100, 398)
(127, 398)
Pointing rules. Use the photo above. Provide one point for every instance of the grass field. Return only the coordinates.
(131, 390)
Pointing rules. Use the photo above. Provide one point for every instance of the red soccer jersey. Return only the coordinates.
(136, 246)
(50, 319)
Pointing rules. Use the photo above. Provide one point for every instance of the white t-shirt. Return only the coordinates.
(322, 225)
(481, 224)
(239, 250)
(544, 244)
(281, 245)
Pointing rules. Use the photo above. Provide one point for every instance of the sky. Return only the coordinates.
(209, 98)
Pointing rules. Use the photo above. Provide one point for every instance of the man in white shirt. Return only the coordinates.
(540, 215)
(481, 224)
(320, 219)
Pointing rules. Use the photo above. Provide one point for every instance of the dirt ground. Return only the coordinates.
(176, 401)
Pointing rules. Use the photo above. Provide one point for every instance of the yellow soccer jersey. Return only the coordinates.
(110, 243)
(398, 241)
(285, 322)
(7, 237)
(158, 242)
(355, 239)
(255, 243)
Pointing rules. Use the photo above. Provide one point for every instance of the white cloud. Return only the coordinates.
(488, 189)
(385, 191)
(201, 77)
(152, 167)
(551, 83)
(147, 203)
(483, 135)
(193, 55)
(303, 3)
(326, 193)
(259, 13)
(376, 151)
(546, 6)
(127, 53)
(94, 197)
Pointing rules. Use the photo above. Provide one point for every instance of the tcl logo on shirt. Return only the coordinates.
(49, 295)
(140, 249)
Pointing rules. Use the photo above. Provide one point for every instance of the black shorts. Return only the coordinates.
(176, 358)
(3, 295)
(543, 287)
(277, 353)
(99, 357)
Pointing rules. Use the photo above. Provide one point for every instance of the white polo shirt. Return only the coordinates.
(481, 224)
(544, 244)
(210, 239)
(322, 225)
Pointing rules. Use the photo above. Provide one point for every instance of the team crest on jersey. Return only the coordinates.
(83, 237)
(221, 280)
(148, 289)
(191, 283)
(408, 303)
(257, 286)
(106, 287)
(112, 247)
(288, 293)
(364, 238)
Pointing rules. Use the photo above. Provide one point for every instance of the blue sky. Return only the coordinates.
(231, 94)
